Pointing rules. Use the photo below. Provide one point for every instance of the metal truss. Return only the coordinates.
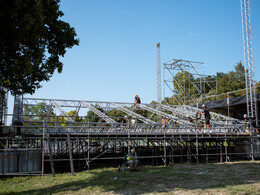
(216, 118)
(248, 59)
(177, 118)
(185, 67)
(130, 129)
(3, 105)
(172, 118)
(133, 114)
(62, 111)
(18, 110)
(97, 112)
(158, 73)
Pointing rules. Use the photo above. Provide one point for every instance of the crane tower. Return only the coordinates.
(248, 60)
(158, 73)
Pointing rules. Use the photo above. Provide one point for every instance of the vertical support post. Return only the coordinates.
(228, 101)
(43, 146)
(70, 154)
(181, 156)
(172, 150)
(221, 153)
(128, 144)
(252, 149)
(88, 144)
(165, 149)
(172, 158)
(153, 161)
(158, 73)
(188, 152)
(226, 153)
(207, 156)
(197, 147)
(50, 153)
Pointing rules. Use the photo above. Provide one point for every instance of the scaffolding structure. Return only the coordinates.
(187, 79)
(61, 151)
(60, 141)
(248, 59)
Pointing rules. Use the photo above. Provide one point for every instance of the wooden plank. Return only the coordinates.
(71, 157)
(50, 153)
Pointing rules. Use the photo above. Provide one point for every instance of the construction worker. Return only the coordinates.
(137, 100)
(133, 122)
(124, 121)
(132, 160)
(247, 122)
(164, 123)
(206, 114)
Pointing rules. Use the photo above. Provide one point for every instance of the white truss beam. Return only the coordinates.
(133, 114)
(99, 113)
(62, 111)
(160, 113)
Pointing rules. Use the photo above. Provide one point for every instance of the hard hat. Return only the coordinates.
(187, 115)
(245, 116)
(125, 116)
(203, 105)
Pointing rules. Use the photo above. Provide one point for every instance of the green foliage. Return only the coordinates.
(232, 81)
(144, 113)
(36, 113)
(32, 39)
(113, 113)
(42, 112)
(74, 116)
(183, 78)
(257, 85)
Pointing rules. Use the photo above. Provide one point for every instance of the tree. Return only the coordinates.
(38, 113)
(233, 81)
(32, 40)
(113, 113)
(184, 80)
(257, 87)
(74, 115)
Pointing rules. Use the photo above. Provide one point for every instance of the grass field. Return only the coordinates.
(218, 178)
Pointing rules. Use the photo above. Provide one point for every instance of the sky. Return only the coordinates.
(116, 59)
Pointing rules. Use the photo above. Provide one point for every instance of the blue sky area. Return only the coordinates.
(116, 56)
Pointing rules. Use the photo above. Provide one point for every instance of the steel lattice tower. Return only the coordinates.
(3, 105)
(158, 73)
(248, 60)
(18, 110)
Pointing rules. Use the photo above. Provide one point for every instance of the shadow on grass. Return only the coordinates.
(156, 179)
